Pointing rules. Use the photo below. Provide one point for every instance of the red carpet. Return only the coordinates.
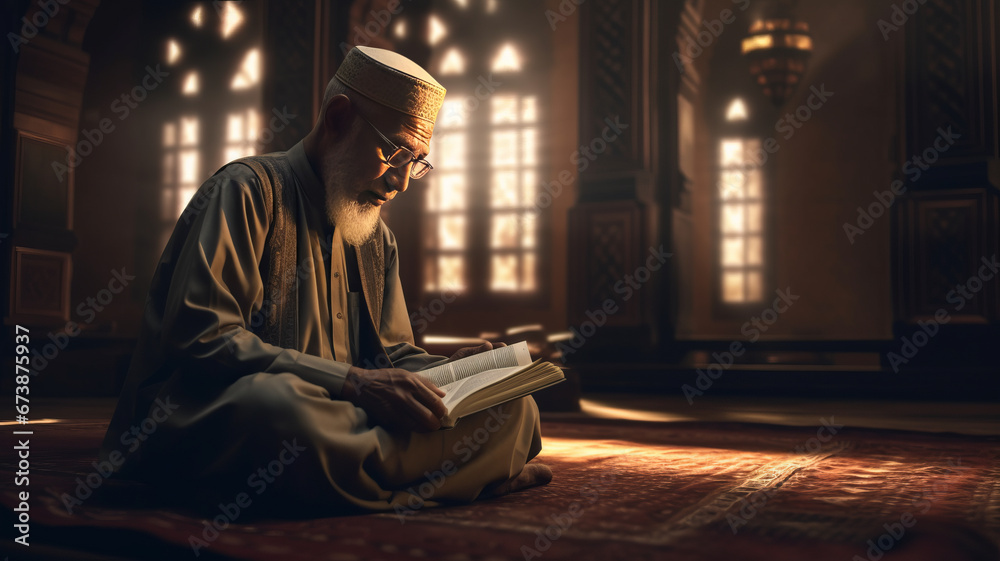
(622, 490)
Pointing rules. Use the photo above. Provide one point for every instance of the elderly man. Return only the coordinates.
(276, 357)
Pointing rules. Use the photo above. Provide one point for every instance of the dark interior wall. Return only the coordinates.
(11, 14)
(119, 204)
(822, 171)
(114, 180)
(831, 166)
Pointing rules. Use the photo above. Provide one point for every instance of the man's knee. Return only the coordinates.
(508, 418)
(523, 409)
(268, 400)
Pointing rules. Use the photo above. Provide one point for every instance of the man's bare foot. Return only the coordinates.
(532, 475)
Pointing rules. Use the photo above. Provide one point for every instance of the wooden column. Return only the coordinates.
(628, 180)
(51, 71)
(946, 224)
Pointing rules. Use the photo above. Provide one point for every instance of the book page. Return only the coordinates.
(459, 390)
(504, 357)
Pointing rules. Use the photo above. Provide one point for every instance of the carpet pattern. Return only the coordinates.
(622, 490)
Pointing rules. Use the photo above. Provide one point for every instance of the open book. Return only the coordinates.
(481, 381)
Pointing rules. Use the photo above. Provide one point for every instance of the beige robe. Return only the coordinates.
(207, 403)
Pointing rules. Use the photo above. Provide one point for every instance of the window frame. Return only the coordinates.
(751, 128)
(216, 60)
(478, 251)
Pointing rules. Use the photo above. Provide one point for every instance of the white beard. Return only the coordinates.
(357, 223)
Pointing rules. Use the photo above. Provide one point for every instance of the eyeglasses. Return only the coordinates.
(402, 156)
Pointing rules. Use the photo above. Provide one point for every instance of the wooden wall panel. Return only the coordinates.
(612, 234)
(946, 237)
(41, 284)
(613, 77)
(951, 78)
(48, 93)
(947, 229)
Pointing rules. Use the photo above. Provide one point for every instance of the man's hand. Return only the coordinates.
(396, 399)
(469, 351)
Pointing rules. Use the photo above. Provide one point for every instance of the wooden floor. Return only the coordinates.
(973, 418)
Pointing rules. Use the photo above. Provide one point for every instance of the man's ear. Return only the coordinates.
(337, 116)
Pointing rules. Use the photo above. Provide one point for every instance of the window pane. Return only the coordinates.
(451, 191)
(732, 252)
(504, 231)
(504, 148)
(235, 153)
(451, 147)
(503, 192)
(528, 229)
(732, 185)
(252, 127)
(529, 188)
(232, 17)
(173, 51)
(528, 271)
(755, 250)
(737, 111)
(453, 113)
(248, 73)
(732, 153)
(754, 217)
(732, 286)
(437, 30)
(528, 147)
(451, 232)
(169, 134)
(452, 63)
(189, 166)
(503, 273)
(507, 60)
(451, 273)
(235, 128)
(529, 109)
(189, 131)
(190, 86)
(504, 109)
(732, 219)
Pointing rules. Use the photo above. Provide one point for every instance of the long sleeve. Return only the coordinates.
(215, 291)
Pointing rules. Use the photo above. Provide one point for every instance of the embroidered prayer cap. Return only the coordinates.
(392, 80)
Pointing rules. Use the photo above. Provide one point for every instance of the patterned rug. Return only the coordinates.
(622, 490)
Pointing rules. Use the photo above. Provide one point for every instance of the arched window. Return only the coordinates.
(213, 116)
(481, 235)
(740, 210)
